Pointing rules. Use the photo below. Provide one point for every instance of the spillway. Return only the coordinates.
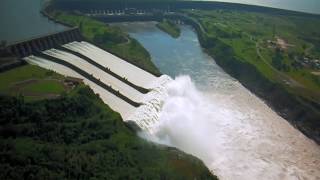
(117, 89)
(106, 78)
(119, 66)
(113, 101)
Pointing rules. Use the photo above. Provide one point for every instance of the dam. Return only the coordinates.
(133, 92)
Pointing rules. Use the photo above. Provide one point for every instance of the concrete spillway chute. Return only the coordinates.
(86, 61)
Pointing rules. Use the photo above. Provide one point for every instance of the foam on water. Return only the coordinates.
(234, 142)
(147, 115)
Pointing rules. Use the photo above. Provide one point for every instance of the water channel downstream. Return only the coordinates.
(212, 116)
(208, 113)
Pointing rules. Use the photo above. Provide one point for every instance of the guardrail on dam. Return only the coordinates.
(38, 44)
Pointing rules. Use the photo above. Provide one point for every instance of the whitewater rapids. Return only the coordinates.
(236, 135)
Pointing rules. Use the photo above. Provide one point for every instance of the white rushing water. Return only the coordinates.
(147, 115)
(237, 136)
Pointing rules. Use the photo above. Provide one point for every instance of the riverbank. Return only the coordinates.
(299, 106)
(169, 27)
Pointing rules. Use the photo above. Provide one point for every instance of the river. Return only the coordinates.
(208, 113)
(21, 19)
(212, 116)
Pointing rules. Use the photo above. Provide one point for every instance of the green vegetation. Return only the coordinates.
(32, 82)
(268, 54)
(49, 86)
(276, 45)
(78, 137)
(169, 27)
(110, 38)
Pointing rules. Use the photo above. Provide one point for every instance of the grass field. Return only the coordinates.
(32, 82)
(254, 38)
(45, 86)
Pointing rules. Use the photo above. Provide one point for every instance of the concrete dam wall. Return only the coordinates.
(36, 44)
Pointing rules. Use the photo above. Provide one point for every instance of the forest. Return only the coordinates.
(76, 136)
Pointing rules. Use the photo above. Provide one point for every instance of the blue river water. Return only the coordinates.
(180, 56)
(21, 19)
